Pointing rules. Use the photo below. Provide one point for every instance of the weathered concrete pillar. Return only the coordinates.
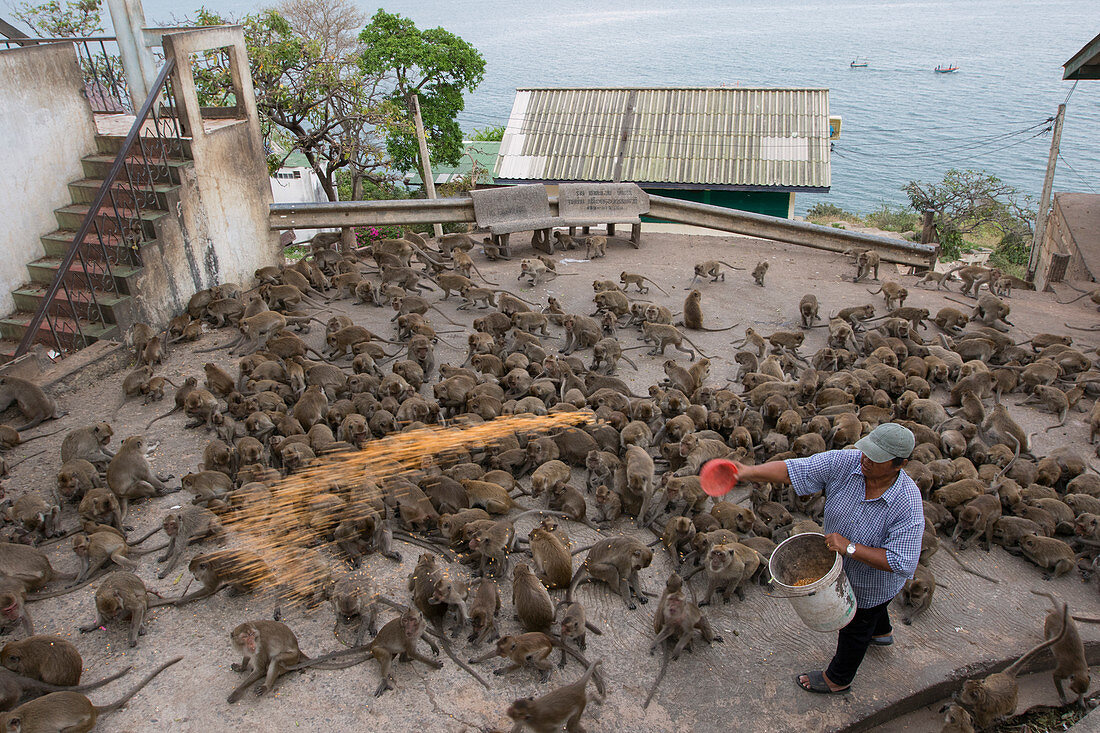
(128, 18)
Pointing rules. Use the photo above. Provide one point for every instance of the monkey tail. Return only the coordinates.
(696, 347)
(660, 676)
(659, 288)
(26, 458)
(960, 302)
(231, 345)
(875, 292)
(1082, 328)
(732, 267)
(145, 537)
(97, 684)
(588, 673)
(719, 330)
(326, 661)
(68, 589)
(1015, 666)
(445, 316)
(1049, 596)
(966, 567)
(487, 280)
(161, 417)
(43, 435)
(1084, 293)
(1014, 457)
(629, 361)
(442, 637)
(126, 698)
(947, 275)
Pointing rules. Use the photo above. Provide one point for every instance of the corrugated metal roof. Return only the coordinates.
(716, 137)
(483, 152)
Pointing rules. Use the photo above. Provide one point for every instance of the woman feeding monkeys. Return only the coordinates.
(874, 517)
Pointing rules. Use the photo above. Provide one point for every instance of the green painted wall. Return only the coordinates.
(771, 203)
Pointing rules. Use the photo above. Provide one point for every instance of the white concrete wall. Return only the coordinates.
(285, 189)
(46, 127)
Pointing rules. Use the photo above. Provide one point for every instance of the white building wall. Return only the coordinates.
(46, 127)
(297, 186)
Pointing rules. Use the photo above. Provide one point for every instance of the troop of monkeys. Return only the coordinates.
(640, 453)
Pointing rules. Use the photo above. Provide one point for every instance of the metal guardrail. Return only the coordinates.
(114, 217)
(101, 65)
(424, 211)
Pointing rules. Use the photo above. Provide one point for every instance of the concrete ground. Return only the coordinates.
(746, 683)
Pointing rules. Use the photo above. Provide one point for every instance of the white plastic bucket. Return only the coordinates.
(827, 604)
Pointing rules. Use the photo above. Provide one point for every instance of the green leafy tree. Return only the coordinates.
(311, 99)
(434, 64)
(54, 20)
(968, 201)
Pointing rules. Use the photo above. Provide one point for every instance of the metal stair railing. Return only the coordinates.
(114, 216)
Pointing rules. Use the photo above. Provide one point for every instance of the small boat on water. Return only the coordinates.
(858, 64)
(942, 69)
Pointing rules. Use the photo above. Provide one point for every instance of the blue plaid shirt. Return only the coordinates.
(894, 521)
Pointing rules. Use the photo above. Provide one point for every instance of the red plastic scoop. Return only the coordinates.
(718, 476)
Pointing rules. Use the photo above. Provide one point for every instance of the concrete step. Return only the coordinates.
(152, 146)
(65, 331)
(84, 301)
(114, 249)
(97, 166)
(101, 273)
(154, 196)
(7, 350)
(137, 223)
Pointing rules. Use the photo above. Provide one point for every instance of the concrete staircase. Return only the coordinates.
(115, 307)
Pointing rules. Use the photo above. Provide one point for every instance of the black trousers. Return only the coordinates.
(853, 640)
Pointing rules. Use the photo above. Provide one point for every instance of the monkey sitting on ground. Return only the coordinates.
(759, 272)
(595, 247)
(867, 261)
(35, 405)
(397, 640)
(675, 621)
(693, 314)
(616, 562)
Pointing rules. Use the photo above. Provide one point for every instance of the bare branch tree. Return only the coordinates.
(335, 24)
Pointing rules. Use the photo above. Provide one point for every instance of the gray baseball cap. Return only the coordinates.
(887, 442)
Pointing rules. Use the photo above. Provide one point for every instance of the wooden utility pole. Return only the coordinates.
(425, 162)
(1044, 203)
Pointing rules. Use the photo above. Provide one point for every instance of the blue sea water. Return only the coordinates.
(902, 121)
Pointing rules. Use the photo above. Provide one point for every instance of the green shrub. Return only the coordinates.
(951, 245)
(830, 211)
(489, 134)
(893, 220)
(1012, 254)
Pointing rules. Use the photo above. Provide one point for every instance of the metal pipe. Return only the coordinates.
(421, 211)
(792, 232)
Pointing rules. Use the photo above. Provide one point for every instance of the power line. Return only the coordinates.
(1076, 173)
(976, 141)
(940, 152)
(532, 125)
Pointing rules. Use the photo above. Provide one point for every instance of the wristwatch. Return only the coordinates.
(851, 549)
